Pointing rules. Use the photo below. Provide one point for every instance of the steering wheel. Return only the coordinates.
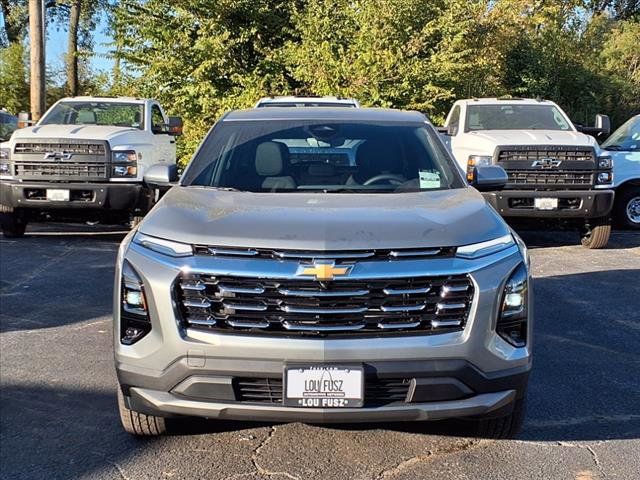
(393, 179)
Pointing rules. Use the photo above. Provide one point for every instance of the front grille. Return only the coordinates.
(424, 305)
(74, 148)
(548, 167)
(47, 170)
(269, 390)
(550, 178)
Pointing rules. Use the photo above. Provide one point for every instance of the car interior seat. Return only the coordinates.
(271, 160)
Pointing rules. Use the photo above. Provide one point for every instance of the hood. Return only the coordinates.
(80, 132)
(315, 221)
(534, 137)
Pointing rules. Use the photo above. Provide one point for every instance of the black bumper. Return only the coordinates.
(91, 196)
(571, 203)
(431, 382)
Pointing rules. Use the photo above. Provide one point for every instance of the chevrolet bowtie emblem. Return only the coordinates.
(324, 271)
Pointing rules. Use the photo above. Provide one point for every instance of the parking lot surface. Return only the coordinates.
(59, 415)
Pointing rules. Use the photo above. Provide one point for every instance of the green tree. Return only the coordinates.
(14, 89)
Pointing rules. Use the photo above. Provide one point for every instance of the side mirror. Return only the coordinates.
(24, 120)
(603, 124)
(487, 178)
(452, 130)
(175, 126)
(160, 175)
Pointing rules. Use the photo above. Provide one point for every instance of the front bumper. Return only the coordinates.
(572, 203)
(104, 196)
(178, 371)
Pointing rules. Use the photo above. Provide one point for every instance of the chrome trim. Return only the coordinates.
(228, 251)
(210, 322)
(403, 308)
(289, 309)
(222, 288)
(391, 326)
(323, 328)
(322, 293)
(247, 307)
(414, 253)
(446, 289)
(445, 323)
(449, 306)
(405, 291)
(193, 303)
(195, 287)
(247, 323)
(321, 256)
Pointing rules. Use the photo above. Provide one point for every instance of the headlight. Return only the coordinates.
(134, 314)
(5, 169)
(605, 163)
(125, 164)
(482, 249)
(477, 161)
(604, 177)
(160, 245)
(512, 320)
(125, 156)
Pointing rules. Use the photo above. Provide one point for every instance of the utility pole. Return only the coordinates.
(36, 43)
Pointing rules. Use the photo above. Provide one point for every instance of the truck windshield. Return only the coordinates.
(305, 155)
(515, 117)
(626, 138)
(8, 123)
(96, 113)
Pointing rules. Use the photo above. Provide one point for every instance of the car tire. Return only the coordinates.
(12, 223)
(596, 234)
(627, 207)
(139, 424)
(501, 427)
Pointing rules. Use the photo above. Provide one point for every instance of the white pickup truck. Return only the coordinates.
(85, 160)
(555, 171)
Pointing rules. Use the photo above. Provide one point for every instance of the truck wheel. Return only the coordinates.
(507, 426)
(137, 423)
(627, 207)
(596, 234)
(13, 224)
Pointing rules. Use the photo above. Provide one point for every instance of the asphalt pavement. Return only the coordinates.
(59, 417)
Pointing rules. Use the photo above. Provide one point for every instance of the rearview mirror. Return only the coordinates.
(175, 126)
(161, 175)
(603, 124)
(487, 178)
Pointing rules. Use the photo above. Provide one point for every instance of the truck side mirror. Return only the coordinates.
(603, 124)
(491, 177)
(161, 175)
(24, 119)
(175, 126)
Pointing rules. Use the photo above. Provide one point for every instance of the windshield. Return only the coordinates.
(515, 117)
(95, 113)
(626, 138)
(8, 123)
(307, 155)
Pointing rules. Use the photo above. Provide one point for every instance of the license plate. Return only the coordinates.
(545, 203)
(324, 386)
(56, 195)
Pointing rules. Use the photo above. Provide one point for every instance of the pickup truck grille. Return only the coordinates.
(269, 390)
(62, 161)
(424, 305)
(548, 167)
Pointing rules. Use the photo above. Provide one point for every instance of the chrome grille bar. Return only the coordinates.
(322, 293)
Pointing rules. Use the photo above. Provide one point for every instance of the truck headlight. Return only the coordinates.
(134, 314)
(604, 177)
(5, 168)
(477, 161)
(512, 320)
(605, 162)
(125, 164)
(160, 245)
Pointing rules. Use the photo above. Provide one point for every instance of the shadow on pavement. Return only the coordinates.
(621, 239)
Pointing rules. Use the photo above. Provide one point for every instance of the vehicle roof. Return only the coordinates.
(505, 100)
(326, 114)
(311, 99)
(87, 98)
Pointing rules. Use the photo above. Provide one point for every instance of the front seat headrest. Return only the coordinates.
(270, 158)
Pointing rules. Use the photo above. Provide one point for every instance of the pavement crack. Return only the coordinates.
(260, 469)
(120, 470)
(410, 462)
(596, 460)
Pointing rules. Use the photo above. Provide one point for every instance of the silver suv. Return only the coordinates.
(323, 265)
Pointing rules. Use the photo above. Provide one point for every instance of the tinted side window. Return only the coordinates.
(157, 120)
(454, 122)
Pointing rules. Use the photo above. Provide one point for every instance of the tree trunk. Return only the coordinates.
(72, 51)
(36, 41)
